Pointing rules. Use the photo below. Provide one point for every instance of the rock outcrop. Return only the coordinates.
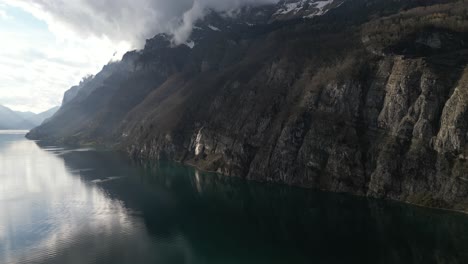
(371, 98)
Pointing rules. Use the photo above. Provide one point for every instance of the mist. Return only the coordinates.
(130, 21)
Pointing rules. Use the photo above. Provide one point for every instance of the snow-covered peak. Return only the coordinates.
(217, 24)
(305, 8)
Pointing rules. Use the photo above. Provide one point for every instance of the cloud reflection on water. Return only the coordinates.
(46, 209)
(64, 206)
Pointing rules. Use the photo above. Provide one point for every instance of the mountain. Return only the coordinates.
(367, 97)
(40, 118)
(10, 119)
(304, 8)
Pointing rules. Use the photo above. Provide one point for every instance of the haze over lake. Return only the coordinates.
(83, 206)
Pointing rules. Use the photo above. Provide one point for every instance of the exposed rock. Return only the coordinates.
(344, 105)
(453, 135)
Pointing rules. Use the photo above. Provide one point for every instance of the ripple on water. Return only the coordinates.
(171, 214)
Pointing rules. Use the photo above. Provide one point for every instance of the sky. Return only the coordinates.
(37, 64)
(48, 46)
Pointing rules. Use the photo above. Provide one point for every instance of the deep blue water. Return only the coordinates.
(84, 206)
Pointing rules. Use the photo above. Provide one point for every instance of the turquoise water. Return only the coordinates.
(82, 206)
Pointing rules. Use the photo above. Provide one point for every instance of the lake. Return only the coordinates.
(82, 206)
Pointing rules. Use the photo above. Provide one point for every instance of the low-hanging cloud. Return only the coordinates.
(130, 20)
(39, 61)
(184, 25)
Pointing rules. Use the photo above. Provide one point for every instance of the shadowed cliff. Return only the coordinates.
(370, 98)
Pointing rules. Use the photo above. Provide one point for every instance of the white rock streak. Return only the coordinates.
(198, 145)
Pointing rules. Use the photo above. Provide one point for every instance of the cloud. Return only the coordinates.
(38, 66)
(182, 30)
(4, 15)
(130, 21)
(49, 45)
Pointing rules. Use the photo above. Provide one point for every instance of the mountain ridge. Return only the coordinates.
(382, 114)
(10, 119)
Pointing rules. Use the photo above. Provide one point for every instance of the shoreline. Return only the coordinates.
(465, 213)
(196, 167)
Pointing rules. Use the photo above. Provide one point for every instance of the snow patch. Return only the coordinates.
(108, 179)
(312, 8)
(320, 5)
(190, 44)
(214, 28)
(291, 8)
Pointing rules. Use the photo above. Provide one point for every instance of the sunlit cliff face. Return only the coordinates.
(48, 46)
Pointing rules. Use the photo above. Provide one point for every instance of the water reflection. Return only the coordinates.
(49, 214)
(82, 206)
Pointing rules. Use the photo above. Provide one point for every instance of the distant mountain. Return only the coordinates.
(10, 119)
(43, 117)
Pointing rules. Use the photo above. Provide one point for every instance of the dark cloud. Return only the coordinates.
(134, 20)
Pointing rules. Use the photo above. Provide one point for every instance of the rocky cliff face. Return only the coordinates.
(370, 98)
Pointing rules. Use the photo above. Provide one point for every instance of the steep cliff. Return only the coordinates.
(368, 98)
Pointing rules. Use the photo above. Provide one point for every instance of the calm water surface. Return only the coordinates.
(81, 206)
